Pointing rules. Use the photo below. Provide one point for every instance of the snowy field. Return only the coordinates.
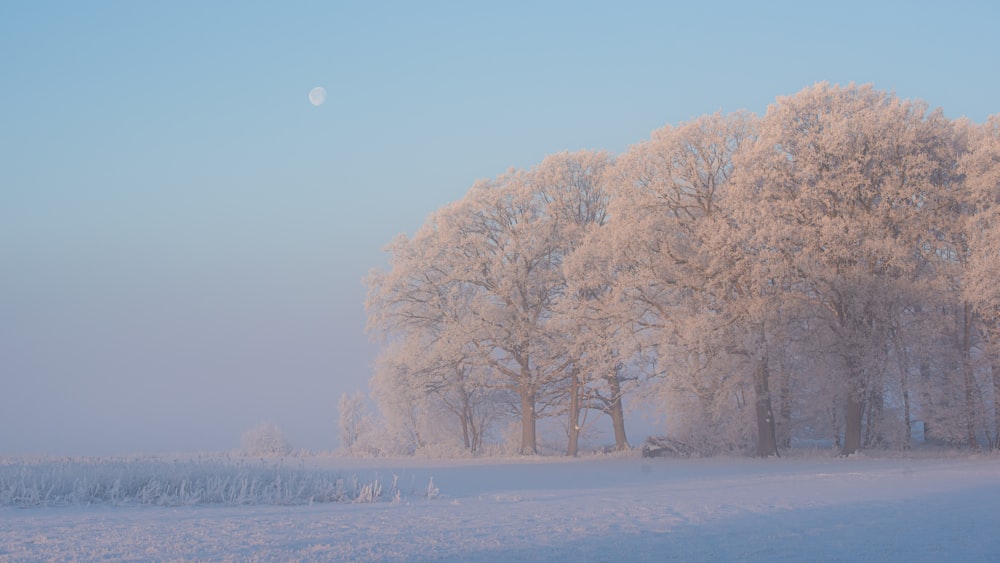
(811, 507)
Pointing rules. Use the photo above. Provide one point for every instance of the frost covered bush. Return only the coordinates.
(151, 481)
(266, 439)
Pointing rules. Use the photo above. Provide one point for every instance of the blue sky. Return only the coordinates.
(183, 235)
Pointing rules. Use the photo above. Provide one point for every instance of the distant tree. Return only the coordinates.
(266, 439)
(354, 421)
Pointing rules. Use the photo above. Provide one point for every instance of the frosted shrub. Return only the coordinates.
(432, 491)
(266, 439)
(369, 492)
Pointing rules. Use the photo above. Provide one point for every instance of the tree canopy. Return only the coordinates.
(825, 272)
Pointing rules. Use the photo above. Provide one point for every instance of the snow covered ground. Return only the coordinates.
(592, 509)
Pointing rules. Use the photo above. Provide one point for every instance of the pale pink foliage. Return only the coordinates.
(827, 270)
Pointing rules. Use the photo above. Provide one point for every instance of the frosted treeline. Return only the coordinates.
(153, 481)
(827, 271)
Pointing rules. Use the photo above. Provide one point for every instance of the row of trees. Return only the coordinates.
(828, 270)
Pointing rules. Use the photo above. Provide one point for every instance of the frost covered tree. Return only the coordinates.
(431, 361)
(665, 207)
(842, 180)
(480, 282)
(827, 270)
(508, 249)
(354, 421)
(981, 229)
(266, 439)
(573, 186)
(426, 400)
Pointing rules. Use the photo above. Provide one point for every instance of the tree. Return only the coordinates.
(843, 179)
(266, 439)
(426, 400)
(431, 359)
(354, 421)
(665, 211)
(480, 283)
(826, 270)
(573, 186)
(981, 231)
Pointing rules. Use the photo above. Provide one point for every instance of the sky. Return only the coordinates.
(183, 235)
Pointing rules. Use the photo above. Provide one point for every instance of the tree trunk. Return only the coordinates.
(927, 405)
(784, 433)
(854, 410)
(466, 418)
(908, 428)
(967, 376)
(465, 432)
(767, 444)
(835, 425)
(574, 414)
(874, 411)
(528, 446)
(617, 413)
(903, 361)
(853, 413)
(476, 434)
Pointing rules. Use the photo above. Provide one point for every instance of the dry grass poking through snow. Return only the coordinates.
(212, 481)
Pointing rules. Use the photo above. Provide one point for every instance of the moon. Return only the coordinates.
(317, 96)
